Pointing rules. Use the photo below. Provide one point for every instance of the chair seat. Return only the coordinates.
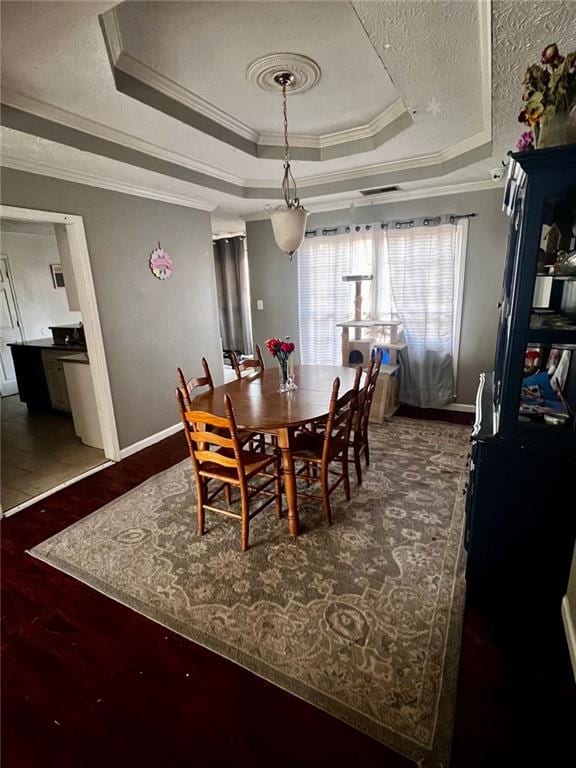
(308, 446)
(254, 462)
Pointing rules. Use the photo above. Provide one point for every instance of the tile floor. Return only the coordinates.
(39, 451)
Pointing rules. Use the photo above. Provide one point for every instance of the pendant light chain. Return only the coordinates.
(288, 223)
(288, 182)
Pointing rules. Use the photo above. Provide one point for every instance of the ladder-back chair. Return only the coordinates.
(188, 386)
(248, 364)
(218, 456)
(319, 450)
(359, 441)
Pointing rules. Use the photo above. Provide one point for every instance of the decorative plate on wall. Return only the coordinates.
(161, 265)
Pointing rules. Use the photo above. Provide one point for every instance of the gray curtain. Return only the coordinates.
(422, 265)
(232, 284)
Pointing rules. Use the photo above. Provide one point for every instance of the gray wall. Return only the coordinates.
(274, 279)
(149, 326)
(570, 617)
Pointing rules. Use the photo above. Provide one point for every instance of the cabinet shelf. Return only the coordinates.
(552, 337)
(556, 277)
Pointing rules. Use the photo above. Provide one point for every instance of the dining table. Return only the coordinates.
(259, 406)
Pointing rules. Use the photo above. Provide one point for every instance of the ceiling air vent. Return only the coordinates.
(378, 191)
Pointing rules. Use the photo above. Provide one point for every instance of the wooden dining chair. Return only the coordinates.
(188, 386)
(248, 364)
(218, 456)
(320, 451)
(359, 438)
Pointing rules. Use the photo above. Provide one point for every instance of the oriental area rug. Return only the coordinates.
(362, 619)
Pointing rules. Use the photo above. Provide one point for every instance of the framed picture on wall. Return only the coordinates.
(57, 275)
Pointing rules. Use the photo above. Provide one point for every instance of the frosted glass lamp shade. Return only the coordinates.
(289, 225)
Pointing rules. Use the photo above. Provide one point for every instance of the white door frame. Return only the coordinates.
(82, 271)
(5, 388)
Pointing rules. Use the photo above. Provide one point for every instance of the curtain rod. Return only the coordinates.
(215, 239)
(425, 221)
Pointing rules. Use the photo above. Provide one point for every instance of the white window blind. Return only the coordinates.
(323, 298)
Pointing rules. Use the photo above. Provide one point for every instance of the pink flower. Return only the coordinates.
(525, 142)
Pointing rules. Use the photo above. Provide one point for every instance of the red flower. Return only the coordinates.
(273, 346)
(277, 346)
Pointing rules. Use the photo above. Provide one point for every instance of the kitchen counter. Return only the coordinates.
(46, 343)
(39, 372)
(81, 393)
(81, 357)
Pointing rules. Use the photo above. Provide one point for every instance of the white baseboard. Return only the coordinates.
(50, 491)
(462, 407)
(147, 441)
(570, 630)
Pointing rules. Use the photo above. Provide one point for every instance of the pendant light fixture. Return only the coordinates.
(289, 223)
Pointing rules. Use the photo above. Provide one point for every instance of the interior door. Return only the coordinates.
(9, 329)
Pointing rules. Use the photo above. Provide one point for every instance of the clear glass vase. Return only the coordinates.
(283, 375)
(286, 376)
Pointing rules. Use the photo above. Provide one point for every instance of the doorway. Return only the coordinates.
(57, 421)
(10, 329)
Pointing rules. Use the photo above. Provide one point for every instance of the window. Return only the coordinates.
(324, 299)
(418, 274)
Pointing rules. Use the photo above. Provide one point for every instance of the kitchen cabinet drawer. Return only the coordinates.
(56, 380)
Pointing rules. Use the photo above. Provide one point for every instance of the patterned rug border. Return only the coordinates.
(434, 756)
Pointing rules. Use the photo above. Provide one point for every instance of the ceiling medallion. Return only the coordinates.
(264, 72)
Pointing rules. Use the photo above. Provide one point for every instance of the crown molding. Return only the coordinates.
(360, 177)
(360, 132)
(152, 78)
(399, 166)
(316, 185)
(104, 182)
(394, 166)
(391, 197)
(101, 131)
(261, 144)
(112, 33)
(132, 66)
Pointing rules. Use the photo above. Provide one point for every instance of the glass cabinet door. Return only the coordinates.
(545, 359)
(504, 305)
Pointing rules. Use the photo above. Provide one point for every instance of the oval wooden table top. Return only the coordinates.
(260, 407)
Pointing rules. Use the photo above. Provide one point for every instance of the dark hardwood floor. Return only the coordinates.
(88, 682)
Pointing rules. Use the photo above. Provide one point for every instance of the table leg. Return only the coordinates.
(284, 443)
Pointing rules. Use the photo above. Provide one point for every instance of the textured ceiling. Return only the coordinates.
(520, 31)
(55, 64)
(431, 50)
(212, 44)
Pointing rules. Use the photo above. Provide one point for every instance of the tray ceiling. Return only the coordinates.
(192, 126)
(200, 77)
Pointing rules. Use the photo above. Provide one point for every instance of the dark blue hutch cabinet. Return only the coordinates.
(521, 495)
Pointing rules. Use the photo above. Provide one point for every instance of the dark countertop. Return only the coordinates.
(47, 343)
(81, 358)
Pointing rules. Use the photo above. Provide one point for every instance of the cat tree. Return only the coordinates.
(371, 337)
